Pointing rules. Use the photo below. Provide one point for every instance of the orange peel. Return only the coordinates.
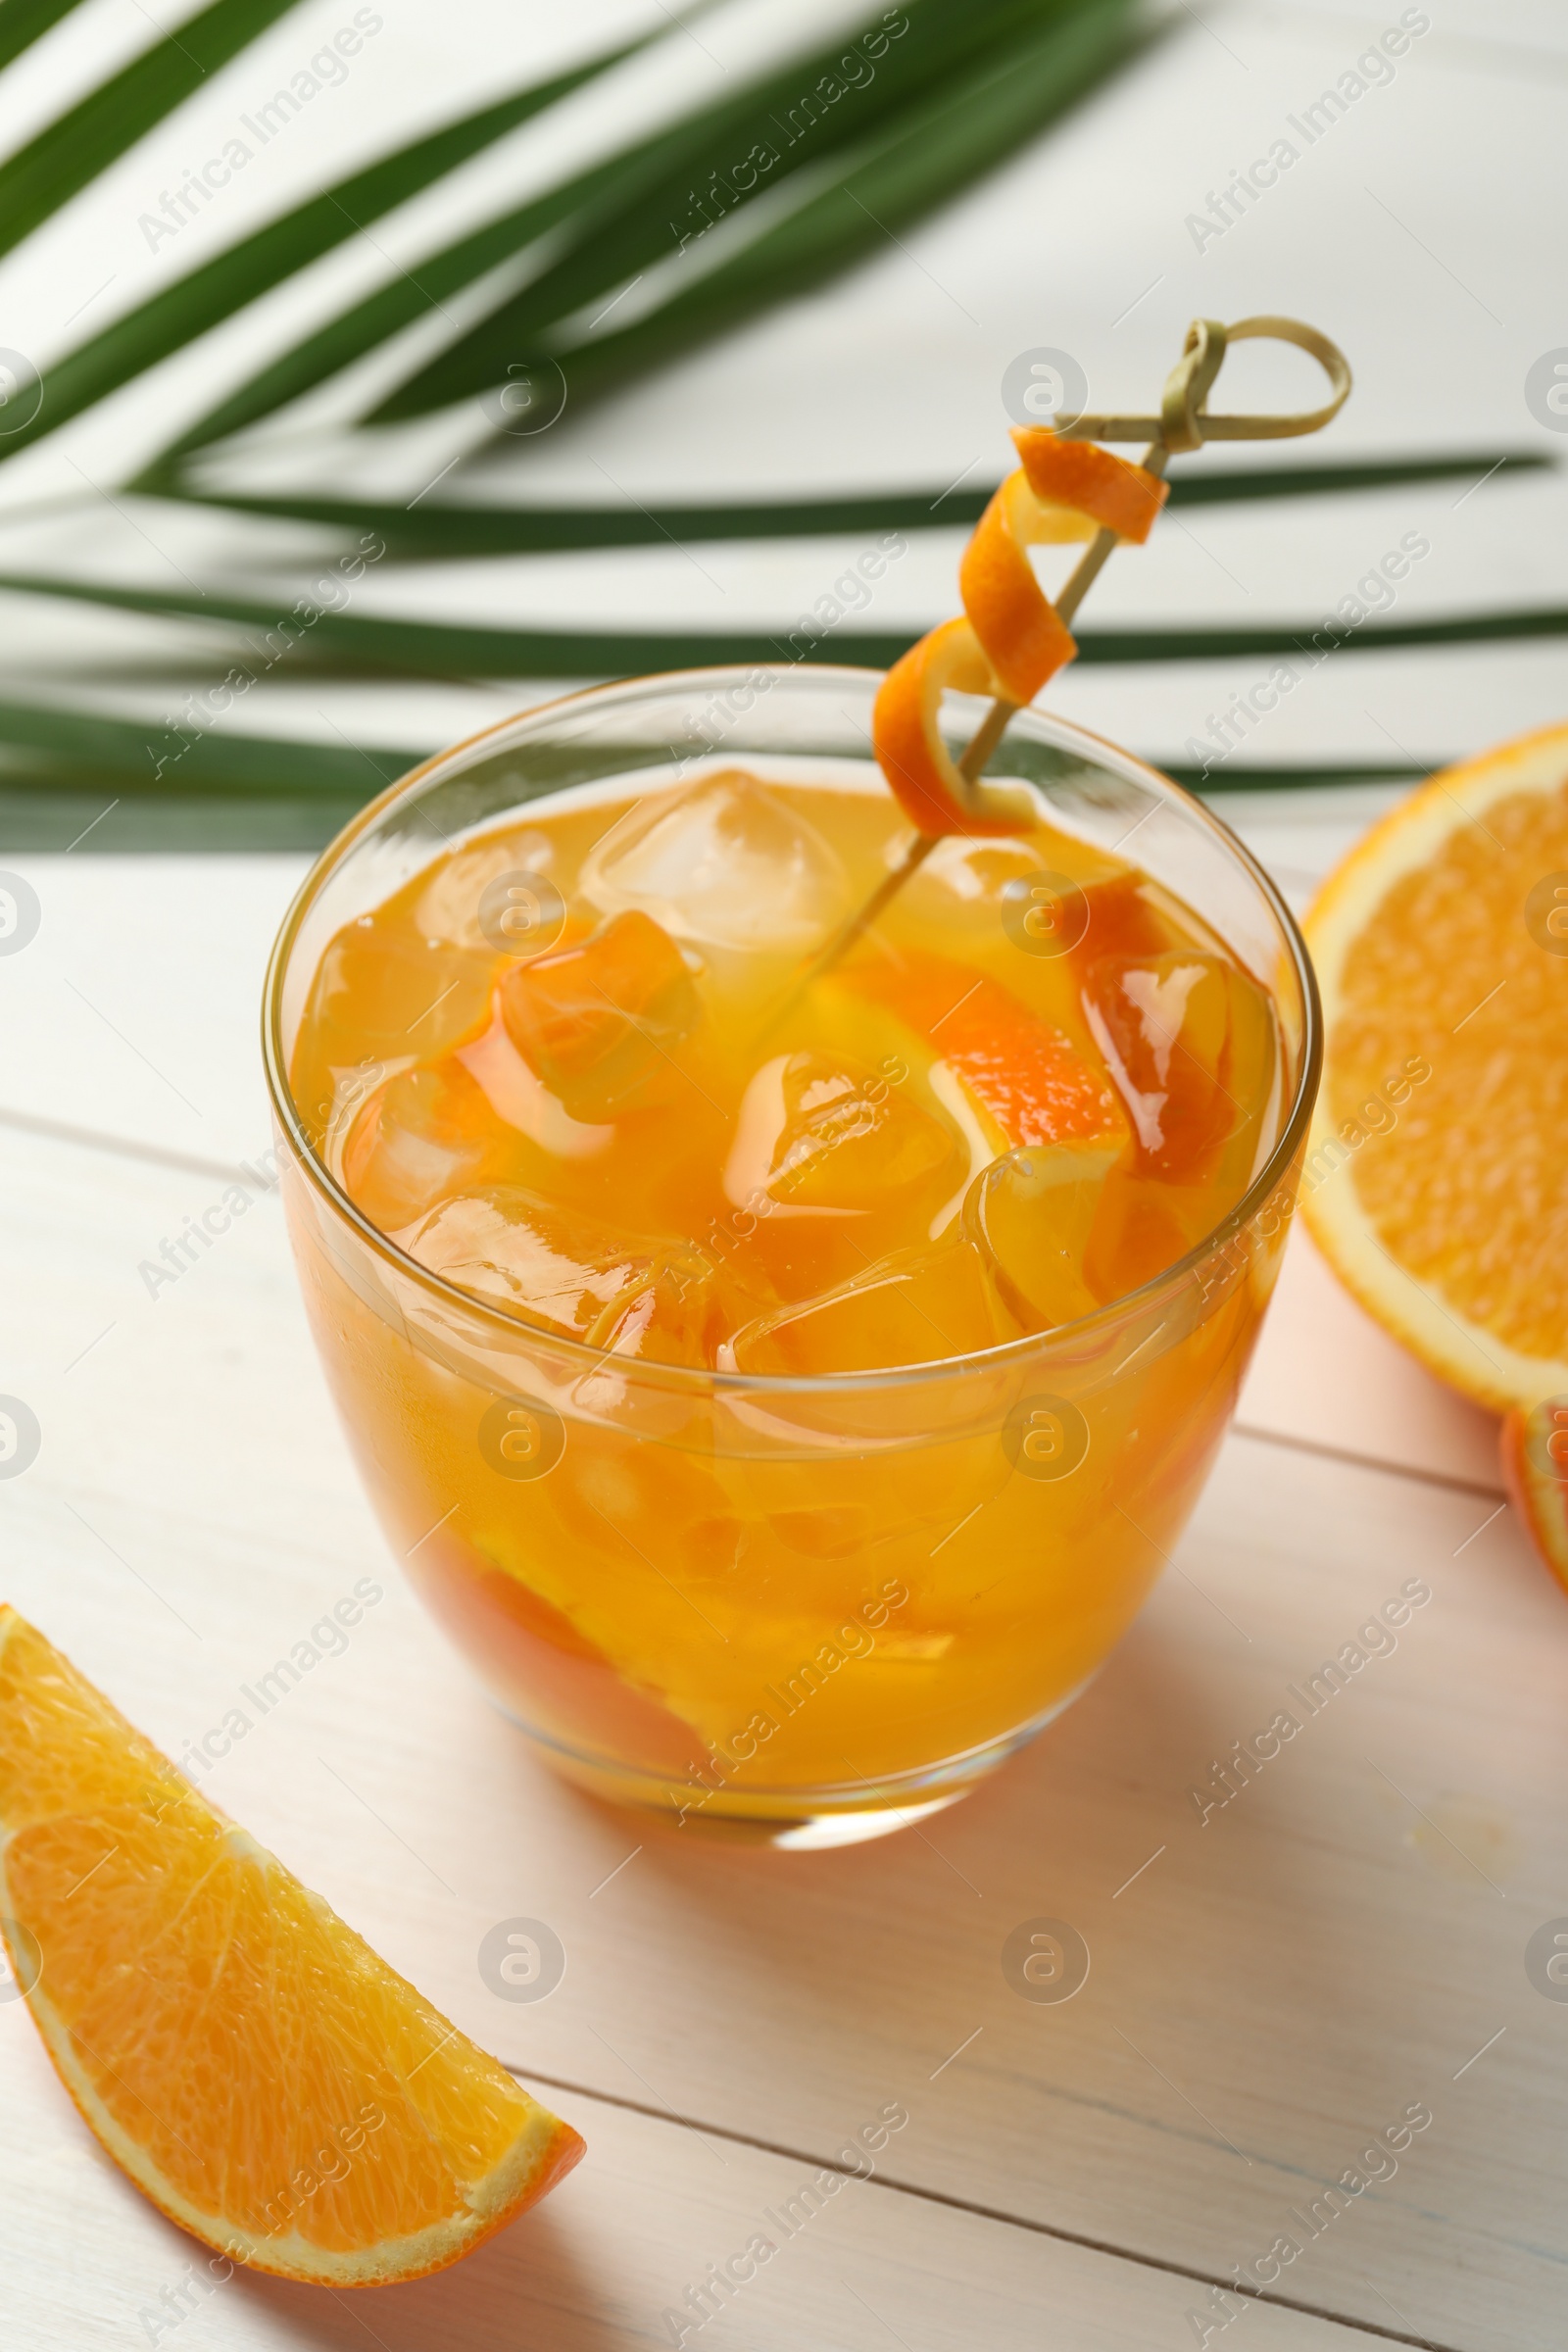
(1012, 640)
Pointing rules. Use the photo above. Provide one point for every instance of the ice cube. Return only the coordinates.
(724, 863)
(378, 1001)
(825, 1149)
(428, 1132)
(599, 1023)
(914, 1307)
(822, 1131)
(450, 907)
(650, 1296)
(1030, 1213)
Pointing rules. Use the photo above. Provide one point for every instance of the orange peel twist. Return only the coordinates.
(1012, 638)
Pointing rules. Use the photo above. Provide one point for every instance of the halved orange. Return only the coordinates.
(260, 2074)
(1437, 1173)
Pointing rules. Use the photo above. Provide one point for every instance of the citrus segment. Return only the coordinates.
(1533, 1447)
(260, 2074)
(1178, 1031)
(1029, 1079)
(1437, 1177)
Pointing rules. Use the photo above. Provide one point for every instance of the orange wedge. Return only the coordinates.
(258, 2073)
(1437, 1173)
(1534, 1448)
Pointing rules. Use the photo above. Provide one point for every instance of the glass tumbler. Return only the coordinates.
(800, 1611)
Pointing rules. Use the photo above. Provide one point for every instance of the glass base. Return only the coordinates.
(796, 1820)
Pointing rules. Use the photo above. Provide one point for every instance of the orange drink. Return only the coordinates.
(783, 1371)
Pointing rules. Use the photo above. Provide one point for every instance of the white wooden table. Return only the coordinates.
(1270, 1989)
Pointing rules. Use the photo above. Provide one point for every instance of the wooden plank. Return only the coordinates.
(652, 2209)
(1278, 1984)
(134, 1009)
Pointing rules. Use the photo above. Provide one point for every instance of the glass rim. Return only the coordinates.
(708, 1379)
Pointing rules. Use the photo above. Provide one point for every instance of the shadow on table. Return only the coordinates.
(502, 2297)
(896, 1945)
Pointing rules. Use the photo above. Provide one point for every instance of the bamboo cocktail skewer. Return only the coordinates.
(1182, 424)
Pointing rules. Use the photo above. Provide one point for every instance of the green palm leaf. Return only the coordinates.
(77, 747)
(432, 530)
(249, 792)
(167, 322)
(24, 22)
(970, 127)
(366, 642)
(955, 88)
(619, 213)
(370, 322)
(660, 202)
(74, 148)
(1225, 778)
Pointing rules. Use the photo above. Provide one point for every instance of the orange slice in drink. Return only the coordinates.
(258, 2073)
(1053, 1127)
(1437, 1173)
(1029, 1081)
